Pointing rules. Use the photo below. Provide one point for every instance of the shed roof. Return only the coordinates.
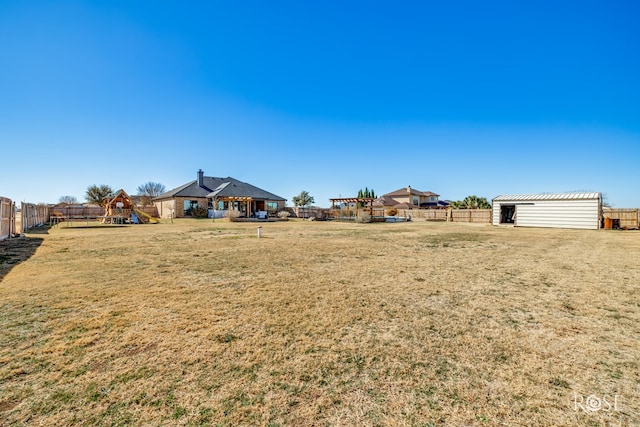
(549, 196)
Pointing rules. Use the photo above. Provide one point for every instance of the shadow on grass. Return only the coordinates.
(64, 225)
(19, 249)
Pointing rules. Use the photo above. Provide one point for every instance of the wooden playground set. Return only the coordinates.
(120, 209)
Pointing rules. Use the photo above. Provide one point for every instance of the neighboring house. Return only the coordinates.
(410, 198)
(219, 194)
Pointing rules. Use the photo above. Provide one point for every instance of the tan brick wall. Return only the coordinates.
(165, 208)
(202, 201)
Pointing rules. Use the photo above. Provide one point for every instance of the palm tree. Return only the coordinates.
(472, 202)
(303, 199)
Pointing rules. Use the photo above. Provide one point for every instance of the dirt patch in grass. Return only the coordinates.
(318, 323)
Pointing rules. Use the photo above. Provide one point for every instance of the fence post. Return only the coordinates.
(24, 216)
(12, 220)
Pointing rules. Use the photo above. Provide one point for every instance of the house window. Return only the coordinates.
(271, 206)
(432, 199)
(416, 200)
(189, 206)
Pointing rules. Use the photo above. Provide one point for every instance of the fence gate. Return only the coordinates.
(7, 218)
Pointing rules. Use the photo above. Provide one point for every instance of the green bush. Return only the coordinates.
(200, 212)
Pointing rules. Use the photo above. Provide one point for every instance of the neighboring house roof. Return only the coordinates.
(408, 190)
(218, 187)
(549, 196)
(439, 204)
(384, 201)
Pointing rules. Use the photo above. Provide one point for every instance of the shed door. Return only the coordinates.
(508, 214)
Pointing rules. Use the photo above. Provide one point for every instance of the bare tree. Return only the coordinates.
(149, 190)
(68, 200)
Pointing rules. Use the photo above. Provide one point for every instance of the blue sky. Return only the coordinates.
(457, 98)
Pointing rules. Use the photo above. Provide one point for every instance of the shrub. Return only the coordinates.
(233, 214)
(392, 212)
(200, 212)
(283, 214)
(364, 217)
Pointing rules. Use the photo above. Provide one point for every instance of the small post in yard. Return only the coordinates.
(259, 231)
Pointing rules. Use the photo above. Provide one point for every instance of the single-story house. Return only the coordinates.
(559, 210)
(410, 198)
(217, 194)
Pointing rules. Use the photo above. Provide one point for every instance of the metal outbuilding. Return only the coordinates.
(559, 210)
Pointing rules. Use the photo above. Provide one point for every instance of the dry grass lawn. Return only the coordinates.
(408, 324)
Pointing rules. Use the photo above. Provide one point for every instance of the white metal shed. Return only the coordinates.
(560, 210)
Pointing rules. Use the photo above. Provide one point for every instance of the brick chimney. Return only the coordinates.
(200, 178)
(409, 189)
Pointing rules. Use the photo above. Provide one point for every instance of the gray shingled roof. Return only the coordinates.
(403, 192)
(219, 187)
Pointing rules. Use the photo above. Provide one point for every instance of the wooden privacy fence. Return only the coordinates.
(471, 215)
(449, 215)
(77, 211)
(425, 214)
(627, 218)
(304, 212)
(33, 215)
(7, 218)
(58, 214)
(84, 211)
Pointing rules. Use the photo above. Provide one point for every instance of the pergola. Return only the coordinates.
(243, 199)
(364, 203)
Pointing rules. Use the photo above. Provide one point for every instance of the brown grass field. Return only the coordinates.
(320, 324)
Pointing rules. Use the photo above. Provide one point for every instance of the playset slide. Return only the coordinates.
(146, 216)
